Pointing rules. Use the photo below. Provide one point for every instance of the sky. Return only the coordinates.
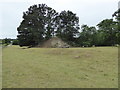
(90, 12)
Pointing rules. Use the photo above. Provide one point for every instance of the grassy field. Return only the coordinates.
(0, 67)
(60, 67)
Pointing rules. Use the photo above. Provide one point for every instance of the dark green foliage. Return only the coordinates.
(6, 41)
(105, 35)
(15, 42)
(41, 22)
(50, 24)
(87, 36)
(68, 26)
(37, 25)
(117, 16)
(109, 30)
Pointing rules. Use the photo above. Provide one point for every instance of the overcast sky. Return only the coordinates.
(90, 12)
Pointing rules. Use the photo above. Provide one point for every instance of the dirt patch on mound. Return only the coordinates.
(54, 42)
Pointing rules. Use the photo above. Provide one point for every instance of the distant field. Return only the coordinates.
(60, 67)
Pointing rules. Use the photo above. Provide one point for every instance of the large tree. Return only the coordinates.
(117, 17)
(67, 26)
(87, 36)
(108, 28)
(50, 23)
(37, 25)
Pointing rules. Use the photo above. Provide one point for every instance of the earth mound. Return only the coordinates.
(55, 42)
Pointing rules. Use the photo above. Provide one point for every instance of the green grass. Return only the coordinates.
(0, 67)
(60, 67)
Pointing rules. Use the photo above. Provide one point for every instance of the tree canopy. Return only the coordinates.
(68, 26)
(117, 17)
(41, 22)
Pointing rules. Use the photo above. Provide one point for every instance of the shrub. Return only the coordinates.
(15, 42)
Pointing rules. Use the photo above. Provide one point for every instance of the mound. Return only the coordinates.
(55, 42)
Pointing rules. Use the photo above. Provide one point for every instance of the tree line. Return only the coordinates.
(105, 35)
(41, 22)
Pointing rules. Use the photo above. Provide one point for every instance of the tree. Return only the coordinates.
(6, 41)
(87, 36)
(37, 25)
(100, 38)
(117, 16)
(50, 23)
(108, 28)
(15, 42)
(67, 26)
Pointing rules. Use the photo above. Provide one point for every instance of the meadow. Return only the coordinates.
(0, 66)
(95, 67)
